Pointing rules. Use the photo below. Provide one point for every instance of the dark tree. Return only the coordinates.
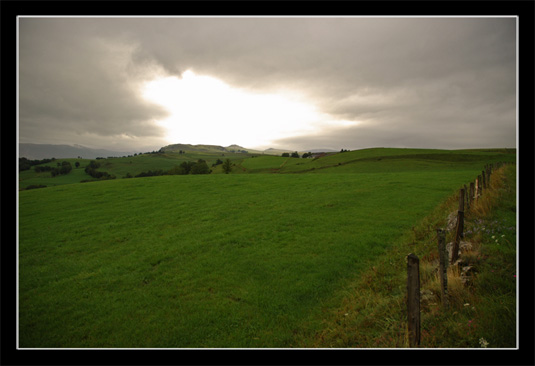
(34, 186)
(64, 168)
(39, 169)
(91, 169)
(24, 164)
(227, 166)
(151, 173)
(187, 166)
(200, 168)
(93, 164)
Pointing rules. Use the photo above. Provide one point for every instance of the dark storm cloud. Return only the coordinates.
(75, 84)
(408, 81)
(423, 129)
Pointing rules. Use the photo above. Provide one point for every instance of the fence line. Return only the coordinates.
(482, 182)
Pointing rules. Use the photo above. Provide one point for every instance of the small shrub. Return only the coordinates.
(200, 168)
(39, 169)
(34, 186)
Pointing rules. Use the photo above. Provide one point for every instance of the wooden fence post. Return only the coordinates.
(467, 197)
(472, 192)
(478, 187)
(460, 228)
(483, 176)
(461, 199)
(458, 236)
(413, 299)
(443, 266)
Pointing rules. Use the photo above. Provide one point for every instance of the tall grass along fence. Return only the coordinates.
(467, 198)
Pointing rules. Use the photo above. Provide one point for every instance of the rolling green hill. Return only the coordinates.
(207, 148)
(120, 167)
(358, 161)
(377, 160)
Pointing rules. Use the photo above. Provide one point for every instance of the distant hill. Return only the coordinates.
(236, 148)
(46, 151)
(232, 148)
(207, 148)
(188, 147)
(272, 151)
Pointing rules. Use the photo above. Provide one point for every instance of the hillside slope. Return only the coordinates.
(359, 161)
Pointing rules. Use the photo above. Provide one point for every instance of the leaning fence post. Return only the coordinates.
(413, 299)
(443, 266)
(458, 236)
(478, 187)
(472, 192)
(460, 228)
(467, 197)
(461, 199)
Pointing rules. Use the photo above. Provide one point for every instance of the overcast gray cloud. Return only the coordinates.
(408, 82)
(76, 86)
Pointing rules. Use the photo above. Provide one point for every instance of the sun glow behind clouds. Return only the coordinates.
(205, 110)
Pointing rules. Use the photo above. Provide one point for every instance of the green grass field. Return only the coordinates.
(237, 260)
(121, 166)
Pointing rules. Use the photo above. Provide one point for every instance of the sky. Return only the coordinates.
(297, 83)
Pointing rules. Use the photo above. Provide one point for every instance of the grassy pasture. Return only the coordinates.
(30, 177)
(378, 160)
(165, 161)
(121, 166)
(239, 260)
(358, 161)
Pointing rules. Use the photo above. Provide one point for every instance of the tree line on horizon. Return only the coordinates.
(65, 167)
(62, 168)
(185, 168)
(295, 154)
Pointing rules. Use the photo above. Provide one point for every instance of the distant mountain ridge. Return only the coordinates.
(188, 147)
(232, 148)
(47, 151)
(207, 148)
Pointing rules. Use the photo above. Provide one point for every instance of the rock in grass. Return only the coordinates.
(464, 246)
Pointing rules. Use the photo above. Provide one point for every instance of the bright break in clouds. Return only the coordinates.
(282, 82)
